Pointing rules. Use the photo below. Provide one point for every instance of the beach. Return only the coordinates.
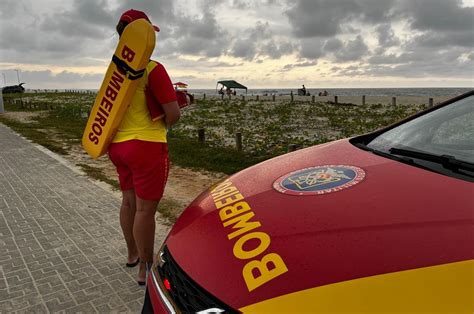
(356, 100)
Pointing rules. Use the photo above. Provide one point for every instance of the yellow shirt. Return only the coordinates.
(137, 123)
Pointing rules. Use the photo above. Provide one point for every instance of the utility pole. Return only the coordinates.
(18, 76)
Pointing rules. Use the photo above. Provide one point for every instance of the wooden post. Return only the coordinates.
(273, 97)
(335, 100)
(258, 97)
(394, 101)
(431, 102)
(291, 95)
(201, 135)
(363, 100)
(204, 97)
(313, 98)
(291, 147)
(2, 108)
(238, 141)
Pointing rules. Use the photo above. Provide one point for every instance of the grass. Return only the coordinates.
(98, 174)
(267, 128)
(189, 153)
(35, 133)
(169, 209)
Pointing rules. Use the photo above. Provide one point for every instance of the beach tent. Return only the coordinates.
(180, 85)
(231, 84)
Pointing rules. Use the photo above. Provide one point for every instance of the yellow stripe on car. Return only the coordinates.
(444, 288)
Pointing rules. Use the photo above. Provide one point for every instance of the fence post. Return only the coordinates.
(2, 110)
(313, 98)
(335, 100)
(238, 141)
(291, 94)
(201, 135)
(363, 100)
(204, 97)
(394, 101)
(291, 147)
(431, 102)
(258, 97)
(273, 97)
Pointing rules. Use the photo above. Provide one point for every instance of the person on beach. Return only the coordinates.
(139, 152)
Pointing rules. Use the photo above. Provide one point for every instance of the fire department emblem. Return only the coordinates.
(319, 180)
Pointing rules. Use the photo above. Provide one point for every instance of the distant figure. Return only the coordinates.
(325, 93)
(320, 93)
(228, 91)
(303, 92)
(221, 91)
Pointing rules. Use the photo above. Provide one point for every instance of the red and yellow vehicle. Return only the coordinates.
(379, 223)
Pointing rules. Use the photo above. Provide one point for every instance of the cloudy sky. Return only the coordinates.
(266, 43)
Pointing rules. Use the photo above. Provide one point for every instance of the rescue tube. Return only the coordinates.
(118, 87)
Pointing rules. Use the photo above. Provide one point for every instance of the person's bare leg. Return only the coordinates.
(127, 218)
(144, 233)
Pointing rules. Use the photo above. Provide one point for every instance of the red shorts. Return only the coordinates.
(142, 166)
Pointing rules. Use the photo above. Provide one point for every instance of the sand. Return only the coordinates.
(357, 100)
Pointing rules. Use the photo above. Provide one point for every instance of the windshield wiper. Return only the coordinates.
(383, 154)
(447, 161)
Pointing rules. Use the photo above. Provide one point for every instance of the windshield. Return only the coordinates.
(446, 131)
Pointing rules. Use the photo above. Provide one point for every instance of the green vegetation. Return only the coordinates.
(267, 127)
(32, 132)
(169, 209)
(97, 174)
(187, 153)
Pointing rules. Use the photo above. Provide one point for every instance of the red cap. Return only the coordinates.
(132, 15)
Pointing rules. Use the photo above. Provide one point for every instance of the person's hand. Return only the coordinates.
(189, 99)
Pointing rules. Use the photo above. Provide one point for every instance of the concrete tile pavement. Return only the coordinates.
(61, 247)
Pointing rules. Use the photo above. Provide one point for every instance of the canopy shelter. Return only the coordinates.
(231, 84)
(180, 84)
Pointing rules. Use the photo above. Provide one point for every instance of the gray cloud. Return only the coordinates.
(324, 18)
(439, 15)
(260, 42)
(291, 66)
(13, 9)
(82, 33)
(386, 36)
(353, 50)
(443, 31)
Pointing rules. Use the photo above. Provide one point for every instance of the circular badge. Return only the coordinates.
(319, 180)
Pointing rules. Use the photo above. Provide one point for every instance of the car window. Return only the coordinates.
(446, 131)
(457, 131)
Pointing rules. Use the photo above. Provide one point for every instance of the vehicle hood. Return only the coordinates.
(397, 217)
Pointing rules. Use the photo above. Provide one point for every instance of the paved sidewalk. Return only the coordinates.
(61, 247)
